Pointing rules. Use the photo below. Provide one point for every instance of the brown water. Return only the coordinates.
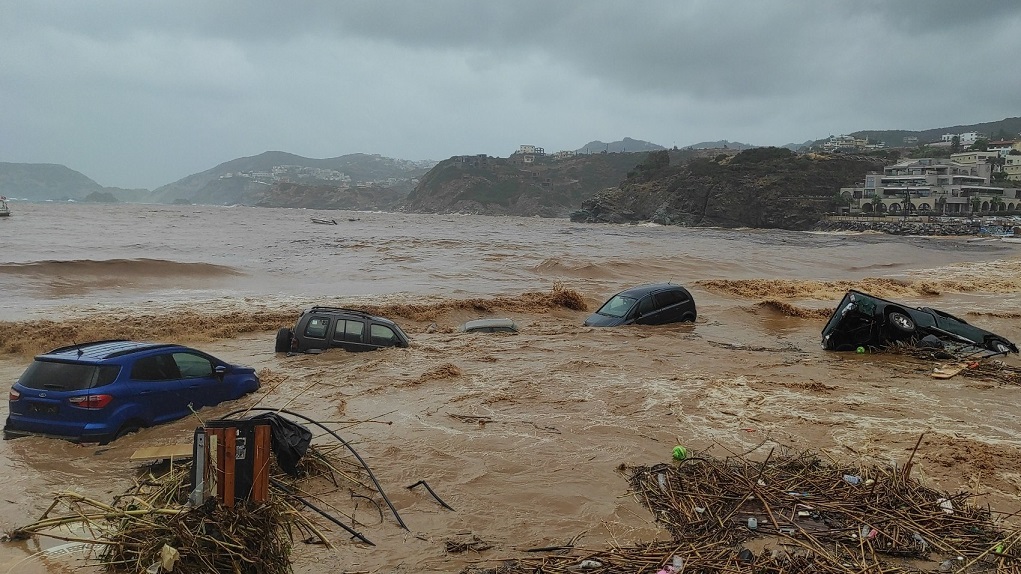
(520, 434)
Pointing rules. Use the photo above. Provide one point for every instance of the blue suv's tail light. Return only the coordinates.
(15, 395)
(93, 402)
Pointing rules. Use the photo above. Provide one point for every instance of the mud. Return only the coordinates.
(523, 434)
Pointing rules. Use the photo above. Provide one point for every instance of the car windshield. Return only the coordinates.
(57, 376)
(618, 306)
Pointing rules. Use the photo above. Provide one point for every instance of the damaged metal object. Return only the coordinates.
(863, 320)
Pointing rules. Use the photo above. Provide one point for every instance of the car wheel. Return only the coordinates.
(283, 340)
(999, 346)
(901, 322)
(126, 429)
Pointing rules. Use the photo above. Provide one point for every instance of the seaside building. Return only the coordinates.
(933, 187)
(1012, 167)
(965, 139)
(845, 143)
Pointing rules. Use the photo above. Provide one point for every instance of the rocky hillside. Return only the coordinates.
(762, 187)
(251, 180)
(542, 186)
(43, 181)
(360, 198)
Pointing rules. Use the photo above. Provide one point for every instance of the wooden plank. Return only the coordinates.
(173, 451)
(229, 458)
(260, 478)
(948, 371)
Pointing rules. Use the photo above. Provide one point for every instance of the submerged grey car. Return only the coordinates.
(653, 304)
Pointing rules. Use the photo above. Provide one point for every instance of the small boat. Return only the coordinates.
(5, 211)
(324, 221)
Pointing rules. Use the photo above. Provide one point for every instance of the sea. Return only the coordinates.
(522, 435)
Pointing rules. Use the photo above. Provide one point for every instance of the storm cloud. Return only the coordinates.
(140, 94)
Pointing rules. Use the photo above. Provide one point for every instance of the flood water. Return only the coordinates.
(520, 434)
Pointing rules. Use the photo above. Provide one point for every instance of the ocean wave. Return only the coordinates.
(187, 325)
(117, 268)
(585, 270)
(995, 278)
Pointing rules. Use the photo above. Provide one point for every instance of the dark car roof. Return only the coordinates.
(643, 290)
(320, 309)
(100, 350)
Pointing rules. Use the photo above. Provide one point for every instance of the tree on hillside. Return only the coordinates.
(981, 144)
(955, 144)
(654, 162)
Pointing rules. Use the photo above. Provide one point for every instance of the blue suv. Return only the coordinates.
(100, 391)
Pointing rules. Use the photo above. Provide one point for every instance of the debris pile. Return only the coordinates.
(151, 527)
(794, 512)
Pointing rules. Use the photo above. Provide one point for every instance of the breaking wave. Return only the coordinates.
(794, 311)
(187, 325)
(988, 277)
(137, 268)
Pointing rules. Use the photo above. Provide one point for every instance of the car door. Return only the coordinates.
(159, 390)
(382, 336)
(349, 335)
(315, 334)
(671, 305)
(199, 380)
(645, 311)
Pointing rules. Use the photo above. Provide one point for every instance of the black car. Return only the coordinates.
(321, 328)
(653, 304)
(861, 320)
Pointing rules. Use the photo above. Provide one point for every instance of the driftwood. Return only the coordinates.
(150, 527)
(803, 514)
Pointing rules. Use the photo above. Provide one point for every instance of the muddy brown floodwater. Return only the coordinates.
(521, 434)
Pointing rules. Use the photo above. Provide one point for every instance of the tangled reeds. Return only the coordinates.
(150, 528)
(795, 512)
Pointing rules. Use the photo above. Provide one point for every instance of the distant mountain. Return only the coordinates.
(721, 144)
(247, 180)
(626, 145)
(44, 181)
(798, 146)
(1008, 128)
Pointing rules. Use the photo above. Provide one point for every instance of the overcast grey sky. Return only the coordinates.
(139, 94)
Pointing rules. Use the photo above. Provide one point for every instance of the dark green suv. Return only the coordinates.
(861, 320)
(321, 328)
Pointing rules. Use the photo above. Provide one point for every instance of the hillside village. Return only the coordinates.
(976, 177)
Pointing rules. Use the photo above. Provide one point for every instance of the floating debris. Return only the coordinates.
(803, 514)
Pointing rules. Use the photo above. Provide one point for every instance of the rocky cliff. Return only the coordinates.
(518, 185)
(360, 198)
(761, 187)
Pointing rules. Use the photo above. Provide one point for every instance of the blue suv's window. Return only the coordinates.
(59, 376)
(155, 368)
(193, 366)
